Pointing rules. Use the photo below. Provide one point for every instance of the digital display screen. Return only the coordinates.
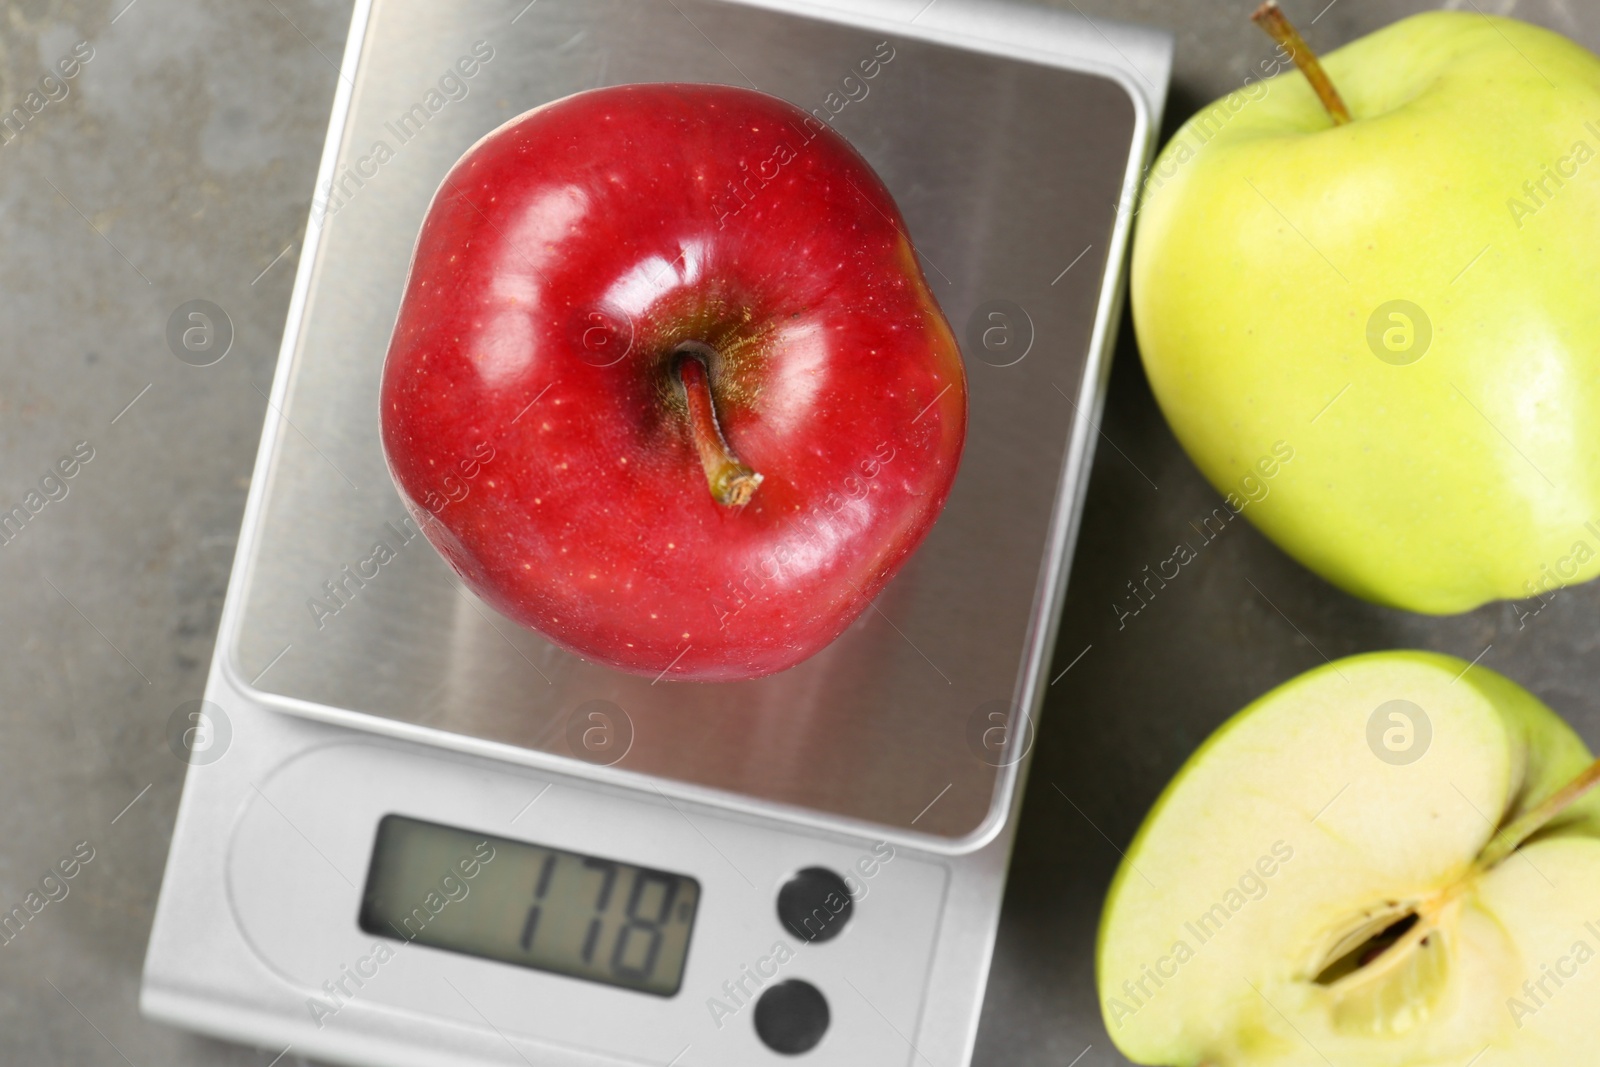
(546, 908)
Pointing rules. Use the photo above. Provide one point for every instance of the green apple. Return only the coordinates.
(1389, 861)
(1406, 301)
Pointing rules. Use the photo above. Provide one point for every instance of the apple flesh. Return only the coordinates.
(1452, 459)
(1335, 878)
(720, 404)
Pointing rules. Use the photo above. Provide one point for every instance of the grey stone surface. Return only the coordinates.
(178, 166)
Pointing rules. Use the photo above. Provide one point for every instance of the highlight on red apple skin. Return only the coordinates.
(667, 383)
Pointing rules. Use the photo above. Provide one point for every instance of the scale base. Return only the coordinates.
(1010, 137)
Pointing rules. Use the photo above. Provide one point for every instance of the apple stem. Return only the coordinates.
(1271, 18)
(731, 482)
(1509, 839)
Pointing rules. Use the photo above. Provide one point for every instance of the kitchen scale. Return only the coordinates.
(413, 833)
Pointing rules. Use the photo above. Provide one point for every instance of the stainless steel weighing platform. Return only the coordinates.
(1011, 138)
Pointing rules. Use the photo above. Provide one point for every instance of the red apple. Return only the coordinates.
(667, 384)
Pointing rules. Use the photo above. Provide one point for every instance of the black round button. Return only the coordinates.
(815, 904)
(791, 1017)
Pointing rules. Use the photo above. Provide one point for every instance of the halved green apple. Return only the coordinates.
(1389, 861)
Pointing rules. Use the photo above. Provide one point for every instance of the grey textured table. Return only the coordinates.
(178, 166)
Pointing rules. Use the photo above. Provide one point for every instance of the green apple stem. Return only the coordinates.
(1272, 19)
(731, 482)
(1509, 839)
